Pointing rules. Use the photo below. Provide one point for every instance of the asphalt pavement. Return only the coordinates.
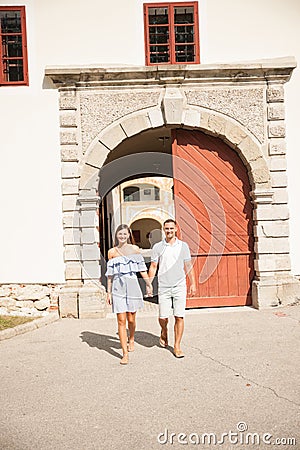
(62, 386)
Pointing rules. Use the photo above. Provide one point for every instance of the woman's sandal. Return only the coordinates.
(130, 346)
(178, 353)
(125, 359)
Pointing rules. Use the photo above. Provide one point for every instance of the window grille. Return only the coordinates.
(13, 49)
(171, 33)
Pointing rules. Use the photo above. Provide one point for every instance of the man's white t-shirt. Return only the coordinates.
(171, 259)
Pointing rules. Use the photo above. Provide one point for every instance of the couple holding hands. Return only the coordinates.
(173, 259)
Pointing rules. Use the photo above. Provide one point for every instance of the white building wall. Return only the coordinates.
(99, 32)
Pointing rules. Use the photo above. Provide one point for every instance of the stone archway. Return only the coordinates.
(243, 142)
(227, 129)
(229, 102)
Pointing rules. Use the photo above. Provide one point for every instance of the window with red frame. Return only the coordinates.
(171, 33)
(13, 49)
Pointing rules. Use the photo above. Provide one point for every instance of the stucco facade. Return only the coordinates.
(108, 99)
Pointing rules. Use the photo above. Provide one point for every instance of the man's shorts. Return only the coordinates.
(172, 297)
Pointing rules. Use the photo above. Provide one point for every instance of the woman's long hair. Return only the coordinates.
(123, 226)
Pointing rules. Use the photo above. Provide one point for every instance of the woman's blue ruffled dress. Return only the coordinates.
(126, 292)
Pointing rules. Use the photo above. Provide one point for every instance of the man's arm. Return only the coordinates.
(149, 289)
(189, 270)
(152, 270)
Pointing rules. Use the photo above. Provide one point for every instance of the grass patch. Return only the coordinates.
(13, 321)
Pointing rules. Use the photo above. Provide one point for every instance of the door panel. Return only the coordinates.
(214, 214)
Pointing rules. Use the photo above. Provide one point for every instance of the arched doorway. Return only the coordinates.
(146, 232)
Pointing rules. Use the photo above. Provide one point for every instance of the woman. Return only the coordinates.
(123, 289)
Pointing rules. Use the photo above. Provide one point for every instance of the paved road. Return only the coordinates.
(62, 386)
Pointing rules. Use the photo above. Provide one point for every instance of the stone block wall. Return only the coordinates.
(28, 299)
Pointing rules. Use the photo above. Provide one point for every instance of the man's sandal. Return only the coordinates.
(163, 342)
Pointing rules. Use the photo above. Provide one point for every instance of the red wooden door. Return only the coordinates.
(214, 213)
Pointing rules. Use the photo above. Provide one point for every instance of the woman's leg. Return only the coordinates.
(131, 318)
(121, 317)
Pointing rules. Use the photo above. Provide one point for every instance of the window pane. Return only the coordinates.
(11, 46)
(184, 15)
(184, 34)
(159, 35)
(10, 21)
(156, 193)
(158, 16)
(159, 54)
(13, 70)
(171, 33)
(131, 194)
(185, 53)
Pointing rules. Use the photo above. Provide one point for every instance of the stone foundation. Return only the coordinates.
(87, 301)
(28, 299)
(34, 300)
(271, 292)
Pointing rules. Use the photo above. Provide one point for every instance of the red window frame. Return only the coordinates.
(171, 24)
(24, 58)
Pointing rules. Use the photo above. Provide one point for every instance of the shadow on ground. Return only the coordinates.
(111, 344)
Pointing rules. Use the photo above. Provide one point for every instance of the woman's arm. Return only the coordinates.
(110, 255)
(109, 285)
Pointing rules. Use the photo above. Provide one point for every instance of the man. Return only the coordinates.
(174, 259)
